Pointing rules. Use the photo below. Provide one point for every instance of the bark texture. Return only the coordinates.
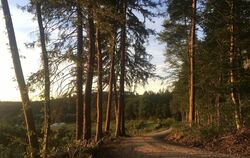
(79, 77)
(29, 121)
(191, 116)
(122, 68)
(111, 81)
(233, 71)
(88, 87)
(117, 111)
(47, 82)
(99, 85)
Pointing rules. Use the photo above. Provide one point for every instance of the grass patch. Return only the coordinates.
(62, 137)
(143, 127)
(195, 136)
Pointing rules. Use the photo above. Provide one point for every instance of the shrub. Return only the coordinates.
(12, 141)
(140, 125)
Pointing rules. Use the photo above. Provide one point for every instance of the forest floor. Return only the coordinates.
(153, 146)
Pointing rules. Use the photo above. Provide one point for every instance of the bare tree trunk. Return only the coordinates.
(196, 116)
(211, 119)
(117, 112)
(208, 121)
(99, 84)
(79, 77)
(217, 103)
(232, 58)
(29, 121)
(88, 87)
(183, 116)
(187, 116)
(191, 117)
(47, 82)
(111, 80)
(122, 67)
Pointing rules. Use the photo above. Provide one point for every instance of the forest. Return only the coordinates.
(94, 54)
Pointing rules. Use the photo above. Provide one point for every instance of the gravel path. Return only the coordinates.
(151, 146)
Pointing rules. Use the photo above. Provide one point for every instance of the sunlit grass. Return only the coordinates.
(133, 127)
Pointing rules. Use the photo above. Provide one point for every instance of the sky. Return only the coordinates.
(26, 31)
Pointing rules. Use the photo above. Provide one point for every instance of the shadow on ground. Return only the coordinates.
(149, 147)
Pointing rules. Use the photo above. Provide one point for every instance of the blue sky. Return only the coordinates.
(25, 29)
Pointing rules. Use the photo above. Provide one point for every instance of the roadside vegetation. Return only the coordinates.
(63, 129)
(93, 54)
(62, 137)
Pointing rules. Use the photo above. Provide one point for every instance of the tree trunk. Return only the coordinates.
(111, 80)
(88, 87)
(217, 103)
(232, 59)
(122, 69)
(99, 84)
(79, 77)
(196, 116)
(47, 82)
(117, 112)
(182, 116)
(187, 116)
(29, 121)
(191, 117)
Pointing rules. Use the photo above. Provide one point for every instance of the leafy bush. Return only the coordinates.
(61, 136)
(165, 123)
(210, 132)
(12, 141)
(140, 125)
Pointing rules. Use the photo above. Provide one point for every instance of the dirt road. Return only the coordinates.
(152, 146)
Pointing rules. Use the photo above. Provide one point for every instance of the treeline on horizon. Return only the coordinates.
(149, 105)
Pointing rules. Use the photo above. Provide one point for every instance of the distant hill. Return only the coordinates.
(61, 110)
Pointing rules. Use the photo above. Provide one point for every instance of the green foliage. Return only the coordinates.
(183, 133)
(143, 127)
(212, 63)
(210, 132)
(12, 141)
(165, 123)
(140, 125)
(132, 110)
(62, 135)
(148, 105)
(10, 109)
